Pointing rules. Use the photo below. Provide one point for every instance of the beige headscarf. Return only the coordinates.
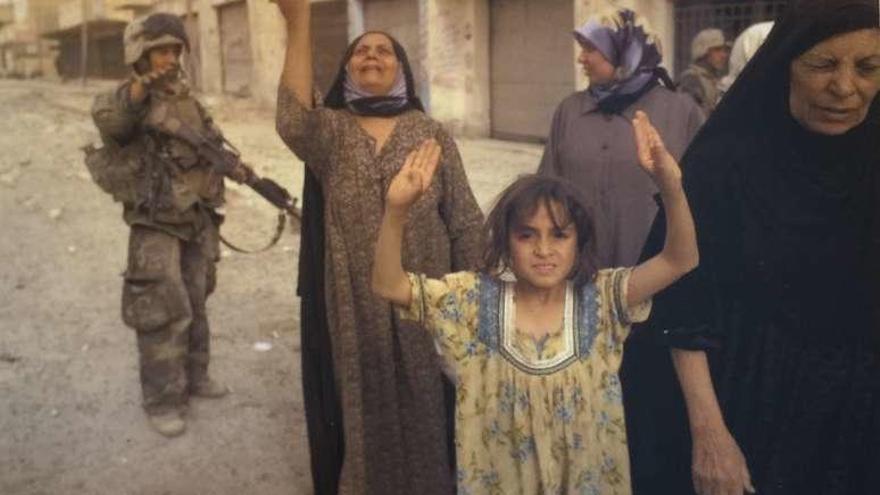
(744, 48)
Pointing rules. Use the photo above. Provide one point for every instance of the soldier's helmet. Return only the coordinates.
(705, 40)
(155, 30)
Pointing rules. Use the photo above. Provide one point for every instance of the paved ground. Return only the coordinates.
(69, 399)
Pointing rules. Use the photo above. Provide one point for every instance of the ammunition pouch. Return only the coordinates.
(118, 170)
(132, 174)
(150, 303)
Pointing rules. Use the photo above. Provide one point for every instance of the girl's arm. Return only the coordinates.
(389, 280)
(679, 254)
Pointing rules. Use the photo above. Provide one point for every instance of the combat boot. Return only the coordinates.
(208, 388)
(169, 424)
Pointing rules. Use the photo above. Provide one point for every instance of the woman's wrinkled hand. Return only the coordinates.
(414, 178)
(719, 466)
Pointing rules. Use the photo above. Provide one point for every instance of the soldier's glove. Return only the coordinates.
(153, 79)
(273, 193)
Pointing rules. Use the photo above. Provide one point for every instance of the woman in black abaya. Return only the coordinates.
(774, 336)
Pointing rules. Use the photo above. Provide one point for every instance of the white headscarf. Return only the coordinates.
(744, 48)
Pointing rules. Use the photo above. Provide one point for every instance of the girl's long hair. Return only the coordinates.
(519, 201)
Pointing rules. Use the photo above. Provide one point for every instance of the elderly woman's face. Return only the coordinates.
(596, 66)
(834, 82)
(373, 64)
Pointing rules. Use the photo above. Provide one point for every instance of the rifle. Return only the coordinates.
(226, 161)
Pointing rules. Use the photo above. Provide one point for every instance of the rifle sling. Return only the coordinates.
(279, 229)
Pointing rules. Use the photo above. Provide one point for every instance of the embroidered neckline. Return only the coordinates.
(567, 354)
(585, 308)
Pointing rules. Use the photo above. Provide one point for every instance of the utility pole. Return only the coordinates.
(84, 42)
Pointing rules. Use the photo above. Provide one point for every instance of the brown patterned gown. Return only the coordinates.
(387, 376)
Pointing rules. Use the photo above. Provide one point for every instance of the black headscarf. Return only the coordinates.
(784, 215)
(322, 407)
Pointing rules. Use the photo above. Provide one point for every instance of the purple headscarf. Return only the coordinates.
(624, 42)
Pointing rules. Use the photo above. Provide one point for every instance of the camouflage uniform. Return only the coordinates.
(700, 80)
(173, 245)
(702, 83)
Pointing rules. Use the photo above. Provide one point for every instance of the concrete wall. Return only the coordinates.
(531, 68)
(268, 39)
(176, 7)
(209, 47)
(455, 36)
(7, 14)
(44, 14)
(69, 14)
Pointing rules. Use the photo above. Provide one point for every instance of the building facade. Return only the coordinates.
(483, 67)
(23, 52)
(101, 23)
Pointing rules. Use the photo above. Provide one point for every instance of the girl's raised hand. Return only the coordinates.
(415, 176)
(653, 155)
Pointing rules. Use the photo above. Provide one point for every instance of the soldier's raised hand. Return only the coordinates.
(654, 158)
(414, 178)
(143, 83)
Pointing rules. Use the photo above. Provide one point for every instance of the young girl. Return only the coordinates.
(538, 398)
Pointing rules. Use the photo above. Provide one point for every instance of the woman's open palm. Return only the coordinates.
(415, 176)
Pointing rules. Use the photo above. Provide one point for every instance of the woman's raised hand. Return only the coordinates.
(415, 176)
(291, 9)
(653, 155)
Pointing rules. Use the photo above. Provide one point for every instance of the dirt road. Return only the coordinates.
(70, 416)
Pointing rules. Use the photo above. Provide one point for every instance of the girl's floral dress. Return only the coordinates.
(534, 416)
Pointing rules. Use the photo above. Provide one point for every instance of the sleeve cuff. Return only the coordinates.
(416, 309)
(625, 313)
(124, 95)
(691, 339)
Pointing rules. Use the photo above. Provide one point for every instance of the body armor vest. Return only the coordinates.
(192, 179)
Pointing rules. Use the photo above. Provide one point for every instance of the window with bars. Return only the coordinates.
(731, 16)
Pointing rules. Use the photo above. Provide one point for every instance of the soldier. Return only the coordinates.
(710, 51)
(153, 130)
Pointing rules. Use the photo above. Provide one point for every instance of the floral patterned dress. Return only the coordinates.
(534, 416)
